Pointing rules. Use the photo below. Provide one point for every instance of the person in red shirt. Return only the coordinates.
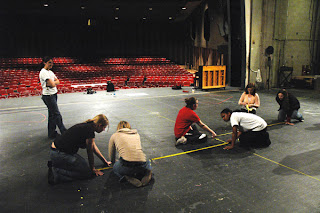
(185, 129)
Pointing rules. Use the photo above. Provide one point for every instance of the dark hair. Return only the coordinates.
(190, 101)
(226, 111)
(45, 60)
(283, 92)
(251, 85)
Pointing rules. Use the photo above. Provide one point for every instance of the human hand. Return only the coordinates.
(228, 147)
(97, 172)
(108, 163)
(214, 135)
(288, 123)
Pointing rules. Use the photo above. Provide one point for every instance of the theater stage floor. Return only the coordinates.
(284, 177)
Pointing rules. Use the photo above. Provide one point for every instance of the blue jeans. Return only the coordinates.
(55, 118)
(295, 115)
(68, 167)
(120, 168)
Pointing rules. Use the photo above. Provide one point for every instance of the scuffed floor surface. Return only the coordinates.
(284, 177)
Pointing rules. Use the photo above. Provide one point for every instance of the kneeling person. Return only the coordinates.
(185, 129)
(65, 164)
(132, 164)
(249, 128)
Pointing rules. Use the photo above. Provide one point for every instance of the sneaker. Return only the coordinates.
(146, 179)
(182, 140)
(301, 119)
(202, 136)
(133, 181)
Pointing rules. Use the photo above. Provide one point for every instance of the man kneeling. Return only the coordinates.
(249, 128)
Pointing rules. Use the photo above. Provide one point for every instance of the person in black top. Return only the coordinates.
(289, 106)
(66, 164)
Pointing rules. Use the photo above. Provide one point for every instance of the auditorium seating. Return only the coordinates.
(19, 77)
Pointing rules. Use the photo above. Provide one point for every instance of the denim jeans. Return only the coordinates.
(133, 171)
(55, 118)
(295, 115)
(68, 167)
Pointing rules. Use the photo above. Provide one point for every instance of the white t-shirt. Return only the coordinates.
(247, 121)
(43, 76)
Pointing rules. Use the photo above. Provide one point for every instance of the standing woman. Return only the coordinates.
(49, 82)
(289, 106)
(185, 129)
(132, 164)
(250, 99)
(66, 164)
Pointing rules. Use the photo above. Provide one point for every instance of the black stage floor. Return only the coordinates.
(284, 177)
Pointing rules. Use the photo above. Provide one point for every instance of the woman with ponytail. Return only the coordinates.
(66, 164)
(185, 129)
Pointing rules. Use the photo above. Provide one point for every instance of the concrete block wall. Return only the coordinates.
(285, 25)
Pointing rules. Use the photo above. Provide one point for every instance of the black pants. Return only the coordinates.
(193, 135)
(54, 118)
(255, 139)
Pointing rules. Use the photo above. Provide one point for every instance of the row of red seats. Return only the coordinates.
(68, 60)
(34, 61)
(24, 81)
(142, 60)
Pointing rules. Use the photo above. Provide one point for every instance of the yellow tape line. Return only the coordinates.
(104, 168)
(286, 167)
(195, 150)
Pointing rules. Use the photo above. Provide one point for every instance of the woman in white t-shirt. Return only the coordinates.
(249, 99)
(49, 82)
(249, 128)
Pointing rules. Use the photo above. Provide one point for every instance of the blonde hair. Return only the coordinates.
(123, 124)
(100, 119)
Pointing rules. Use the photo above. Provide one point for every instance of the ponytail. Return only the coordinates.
(100, 119)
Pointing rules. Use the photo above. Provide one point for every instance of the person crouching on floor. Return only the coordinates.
(132, 164)
(249, 128)
(185, 129)
(289, 107)
(65, 164)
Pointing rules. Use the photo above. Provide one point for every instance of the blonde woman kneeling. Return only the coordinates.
(65, 164)
(132, 164)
